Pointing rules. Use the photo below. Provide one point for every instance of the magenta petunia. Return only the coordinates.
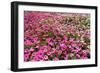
(28, 43)
(35, 39)
(45, 57)
(26, 56)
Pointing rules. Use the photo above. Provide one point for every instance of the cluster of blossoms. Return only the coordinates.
(52, 36)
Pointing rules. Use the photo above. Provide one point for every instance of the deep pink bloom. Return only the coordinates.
(35, 39)
(36, 58)
(28, 43)
(26, 56)
(45, 57)
(84, 53)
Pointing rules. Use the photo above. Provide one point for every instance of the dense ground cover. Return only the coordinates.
(56, 36)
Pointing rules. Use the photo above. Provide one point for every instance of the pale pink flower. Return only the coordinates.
(31, 49)
(63, 46)
(26, 51)
(73, 44)
(71, 40)
(59, 52)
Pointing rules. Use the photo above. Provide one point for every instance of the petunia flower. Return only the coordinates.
(28, 43)
(63, 46)
(48, 40)
(31, 49)
(26, 56)
(45, 57)
(66, 57)
(78, 56)
(35, 39)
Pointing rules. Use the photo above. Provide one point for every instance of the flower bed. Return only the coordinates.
(53, 36)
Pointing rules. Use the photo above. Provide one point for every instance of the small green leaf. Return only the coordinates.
(43, 43)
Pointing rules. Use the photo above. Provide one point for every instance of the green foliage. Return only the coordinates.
(85, 22)
(50, 34)
(43, 43)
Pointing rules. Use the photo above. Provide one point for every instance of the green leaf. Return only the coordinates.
(85, 22)
(73, 58)
(27, 47)
(53, 56)
(43, 43)
(50, 34)
(76, 36)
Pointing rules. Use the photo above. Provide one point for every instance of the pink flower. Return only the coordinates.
(83, 57)
(26, 56)
(65, 38)
(71, 40)
(41, 51)
(31, 49)
(35, 39)
(40, 55)
(77, 56)
(48, 40)
(45, 57)
(37, 46)
(51, 43)
(34, 54)
(63, 46)
(28, 43)
(76, 50)
(59, 52)
(36, 58)
(49, 53)
(84, 53)
(66, 58)
(73, 44)
(26, 51)
(44, 48)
